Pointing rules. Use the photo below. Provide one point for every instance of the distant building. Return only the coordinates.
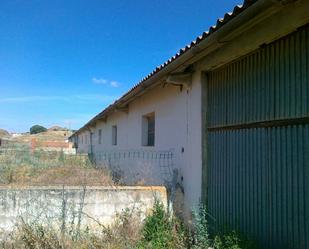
(230, 113)
(14, 135)
(64, 146)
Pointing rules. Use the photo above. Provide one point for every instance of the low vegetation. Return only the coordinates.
(158, 231)
(20, 166)
(161, 231)
(125, 233)
(201, 237)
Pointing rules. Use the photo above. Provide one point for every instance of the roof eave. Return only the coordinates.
(189, 56)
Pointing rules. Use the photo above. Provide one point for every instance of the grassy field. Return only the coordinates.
(23, 167)
(20, 166)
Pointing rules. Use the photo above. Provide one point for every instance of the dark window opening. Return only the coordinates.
(148, 130)
(100, 137)
(114, 135)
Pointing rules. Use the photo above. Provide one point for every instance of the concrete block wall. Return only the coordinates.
(74, 207)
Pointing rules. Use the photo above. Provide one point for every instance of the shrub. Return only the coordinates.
(200, 236)
(37, 129)
(233, 240)
(161, 231)
(157, 229)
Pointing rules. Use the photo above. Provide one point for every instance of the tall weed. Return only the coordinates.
(160, 231)
(201, 238)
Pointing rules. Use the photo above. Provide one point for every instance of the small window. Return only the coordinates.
(100, 137)
(114, 135)
(82, 140)
(148, 130)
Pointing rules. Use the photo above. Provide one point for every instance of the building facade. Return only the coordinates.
(232, 111)
(176, 142)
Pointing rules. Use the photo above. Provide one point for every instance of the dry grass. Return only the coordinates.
(49, 135)
(125, 233)
(4, 133)
(23, 168)
(63, 175)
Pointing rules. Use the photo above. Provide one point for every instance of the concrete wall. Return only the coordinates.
(73, 206)
(177, 129)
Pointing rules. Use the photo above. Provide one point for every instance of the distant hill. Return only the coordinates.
(57, 128)
(4, 133)
(49, 135)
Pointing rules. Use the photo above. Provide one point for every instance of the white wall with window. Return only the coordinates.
(83, 142)
(161, 119)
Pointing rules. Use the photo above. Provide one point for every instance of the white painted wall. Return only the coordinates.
(71, 207)
(177, 127)
(83, 143)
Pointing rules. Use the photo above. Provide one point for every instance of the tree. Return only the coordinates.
(37, 129)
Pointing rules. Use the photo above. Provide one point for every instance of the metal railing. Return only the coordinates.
(131, 166)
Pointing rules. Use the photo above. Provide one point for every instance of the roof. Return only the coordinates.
(219, 24)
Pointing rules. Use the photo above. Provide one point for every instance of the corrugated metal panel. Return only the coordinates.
(258, 177)
(259, 184)
(271, 83)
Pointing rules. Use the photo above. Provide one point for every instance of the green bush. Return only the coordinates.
(157, 229)
(161, 231)
(233, 240)
(37, 129)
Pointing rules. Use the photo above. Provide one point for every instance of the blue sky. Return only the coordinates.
(63, 61)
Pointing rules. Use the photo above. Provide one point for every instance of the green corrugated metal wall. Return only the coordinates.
(258, 143)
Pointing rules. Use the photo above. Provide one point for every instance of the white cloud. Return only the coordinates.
(100, 81)
(114, 84)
